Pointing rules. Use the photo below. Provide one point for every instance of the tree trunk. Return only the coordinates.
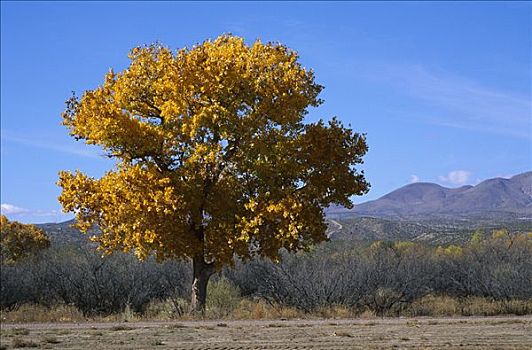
(202, 271)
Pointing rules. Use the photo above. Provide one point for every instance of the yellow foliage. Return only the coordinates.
(500, 234)
(477, 237)
(405, 246)
(213, 155)
(451, 250)
(18, 241)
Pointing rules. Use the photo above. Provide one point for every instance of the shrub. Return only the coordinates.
(222, 298)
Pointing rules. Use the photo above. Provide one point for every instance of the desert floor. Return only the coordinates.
(401, 333)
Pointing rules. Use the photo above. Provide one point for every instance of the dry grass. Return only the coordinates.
(335, 311)
(164, 310)
(259, 310)
(248, 309)
(39, 313)
(367, 314)
(471, 306)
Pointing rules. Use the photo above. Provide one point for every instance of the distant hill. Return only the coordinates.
(493, 198)
(436, 214)
(62, 232)
(432, 231)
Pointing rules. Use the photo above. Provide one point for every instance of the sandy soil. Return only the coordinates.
(404, 333)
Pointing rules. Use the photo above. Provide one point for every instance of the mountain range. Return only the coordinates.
(497, 198)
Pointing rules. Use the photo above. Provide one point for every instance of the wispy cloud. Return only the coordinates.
(414, 179)
(33, 216)
(10, 209)
(49, 145)
(456, 177)
(456, 101)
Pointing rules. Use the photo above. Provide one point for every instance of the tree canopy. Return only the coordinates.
(213, 156)
(18, 241)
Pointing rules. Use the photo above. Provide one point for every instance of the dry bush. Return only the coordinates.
(77, 275)
(486, 277)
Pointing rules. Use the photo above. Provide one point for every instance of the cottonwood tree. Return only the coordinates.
(214, 159)
(18, 241)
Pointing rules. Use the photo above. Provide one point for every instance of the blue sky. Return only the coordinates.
(443, 90)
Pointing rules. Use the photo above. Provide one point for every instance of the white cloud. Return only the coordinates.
(456, 177)
(33, 216)
(414, 179)
(10, 209)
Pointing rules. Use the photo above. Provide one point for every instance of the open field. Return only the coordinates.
(404, 333)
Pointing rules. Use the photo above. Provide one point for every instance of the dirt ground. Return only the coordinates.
(403, 333)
